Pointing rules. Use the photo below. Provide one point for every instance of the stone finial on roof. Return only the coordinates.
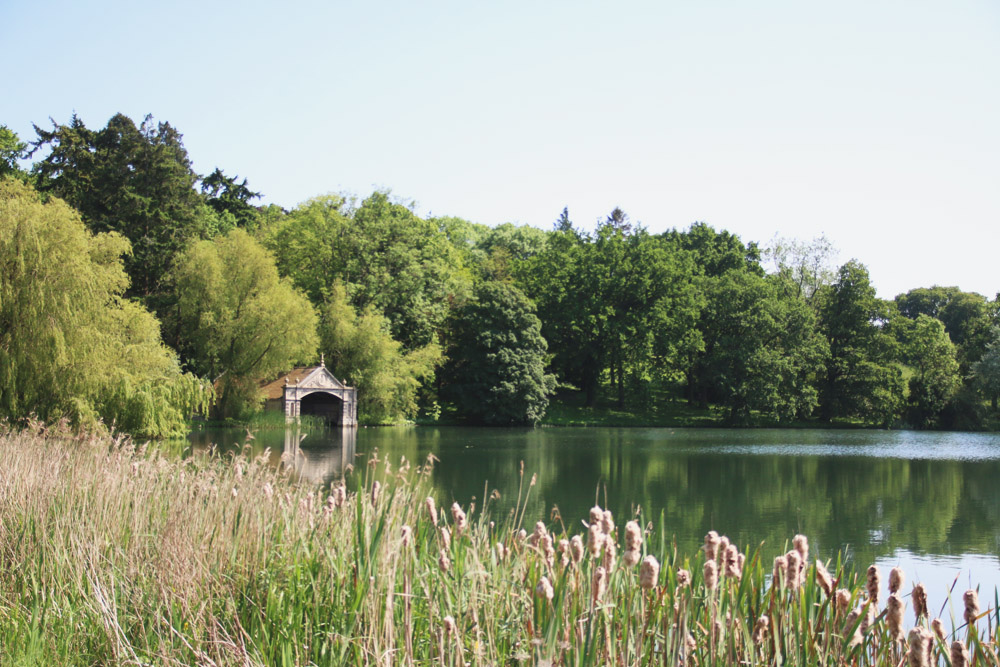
(322, 361)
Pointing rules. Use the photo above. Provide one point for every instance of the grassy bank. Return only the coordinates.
(114, 555)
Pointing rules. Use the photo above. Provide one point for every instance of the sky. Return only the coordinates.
(876, 123)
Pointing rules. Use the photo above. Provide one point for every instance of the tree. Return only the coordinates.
(986, 371)
(496, 368)
(136, 181)
(617, 302)
(236, 321)
(716, 253)
(362, 352)
(384, 255)
(861, 379)
(809, 265)
(762, 350)
(931, 355)
(966, 316)
(12, 149)
(226, 196)
(70, 345)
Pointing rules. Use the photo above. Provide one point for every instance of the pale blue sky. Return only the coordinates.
(875, 122)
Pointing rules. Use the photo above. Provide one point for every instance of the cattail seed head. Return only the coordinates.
(919, 599)
(564, 553)
(711, 575)
(633, 536)
(649, 573)
(843, 600)
(450, 629)
(610, 553)
(501, 552)
(711, 545)
(339, 495)
(444, 563)
(896, 579)
(869, 618)
(938, 627)
(801, 544)
(872, 584)
(723, 544)
(595, 539)
(547, 550)
(407, 535)
(268, 490)
(445, 537)
(376, 492)
(731, 558)
(596, 514)
(631, 557)
(852, 619)
(824, 578)
(779, 577)
(544, 589)
(599, 583)
(894, 616)
(576, 548)
(971, 599)
(432, 512)
(522, 535)
(760, 629)
(920, 644)
(683, 578)
(458, 516)
(959, 654)
(607, 522)
(792, 574)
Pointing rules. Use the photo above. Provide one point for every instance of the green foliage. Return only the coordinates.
(927, 349)
(236, 320)
(762, 350)
(69, 344)
(716, 253)
(618, 301)
(385, 256)
(808, 265)
(986, 371)
(227, 197)
(361, 350)
(496, 368)
(12, 149)
(136, 181)
(862, 380)
(967, 318)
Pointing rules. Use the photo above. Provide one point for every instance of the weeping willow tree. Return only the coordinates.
(361, 350)
(237, 321)
(70, 345)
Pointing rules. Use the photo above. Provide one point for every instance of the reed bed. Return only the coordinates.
(111, 554)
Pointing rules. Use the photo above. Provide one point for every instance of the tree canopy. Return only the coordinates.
(70, 345)
(237, 321)
(496, 369)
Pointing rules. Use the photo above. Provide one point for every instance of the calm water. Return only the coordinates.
(927, 501)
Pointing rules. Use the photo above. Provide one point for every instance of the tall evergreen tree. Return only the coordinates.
(136, 181)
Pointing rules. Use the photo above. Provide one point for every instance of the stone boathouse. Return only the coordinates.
(312, 391)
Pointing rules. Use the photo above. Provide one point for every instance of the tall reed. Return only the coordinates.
(113, 554)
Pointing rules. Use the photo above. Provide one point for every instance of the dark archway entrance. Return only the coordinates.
(322, 404)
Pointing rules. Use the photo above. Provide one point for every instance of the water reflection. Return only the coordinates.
(319, 457)
(870, 494)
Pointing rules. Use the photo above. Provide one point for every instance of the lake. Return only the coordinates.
(927, 501)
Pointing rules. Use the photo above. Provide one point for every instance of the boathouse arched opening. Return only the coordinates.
(324, 405)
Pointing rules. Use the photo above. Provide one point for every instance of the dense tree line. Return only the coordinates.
(142, 289)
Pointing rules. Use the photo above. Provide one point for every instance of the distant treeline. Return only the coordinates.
(135, 291)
